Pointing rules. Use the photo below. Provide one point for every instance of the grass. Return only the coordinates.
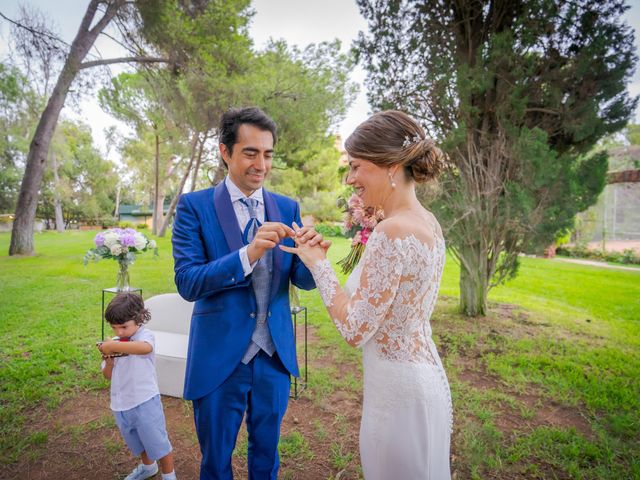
(560, 337)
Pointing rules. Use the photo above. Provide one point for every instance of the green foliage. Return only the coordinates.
(108, 222)
(517, 108)
(86, 182)
(17, 121)
(632, 134)
(572, 347)
(329, 230)
(293, 445)
(315, 183)
(307, 92)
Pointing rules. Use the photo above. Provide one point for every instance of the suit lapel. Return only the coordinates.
(272, 214)
(227, 217)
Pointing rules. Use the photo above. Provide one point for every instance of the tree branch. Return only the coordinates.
(115, 40)
(109, 61)
(34, 31)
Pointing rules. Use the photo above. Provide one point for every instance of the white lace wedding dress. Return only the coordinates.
(407, 411)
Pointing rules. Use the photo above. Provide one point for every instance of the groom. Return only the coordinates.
(241, 345)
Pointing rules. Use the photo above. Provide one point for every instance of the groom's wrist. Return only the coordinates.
(253, 254)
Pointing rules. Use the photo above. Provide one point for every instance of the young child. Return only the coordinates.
(129, 363)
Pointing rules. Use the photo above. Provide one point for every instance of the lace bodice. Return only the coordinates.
(394, 298)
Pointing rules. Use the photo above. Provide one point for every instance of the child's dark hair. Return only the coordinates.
(125, 307)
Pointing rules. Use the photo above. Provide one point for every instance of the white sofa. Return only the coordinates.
(170, 322)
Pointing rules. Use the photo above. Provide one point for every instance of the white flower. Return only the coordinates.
(117, 249)
(152, 244)
(111, 239)
(141, 241)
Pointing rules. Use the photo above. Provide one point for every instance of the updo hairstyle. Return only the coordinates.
(392, 138)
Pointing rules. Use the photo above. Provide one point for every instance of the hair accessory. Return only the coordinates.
(408, 141)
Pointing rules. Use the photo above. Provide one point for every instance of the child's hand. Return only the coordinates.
(106, 347)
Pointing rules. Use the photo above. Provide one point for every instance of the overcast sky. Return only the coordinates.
(299, 22)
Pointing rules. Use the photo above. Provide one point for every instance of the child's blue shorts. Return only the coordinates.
(143, 429)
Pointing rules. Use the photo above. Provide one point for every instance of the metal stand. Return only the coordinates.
(114, 291)
(297, 388)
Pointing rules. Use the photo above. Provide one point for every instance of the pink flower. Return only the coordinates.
(357, 238)
(357, 214)
(365, 233)
(355, 202)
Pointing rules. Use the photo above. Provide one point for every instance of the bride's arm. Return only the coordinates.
(357, 318)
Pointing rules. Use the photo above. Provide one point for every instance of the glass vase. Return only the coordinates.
(122, 280)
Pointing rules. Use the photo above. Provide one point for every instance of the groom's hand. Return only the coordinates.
(309, 236)
(267, 237)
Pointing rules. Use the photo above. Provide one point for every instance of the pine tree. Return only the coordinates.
(517, 92)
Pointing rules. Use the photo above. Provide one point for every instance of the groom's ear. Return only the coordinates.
(224, 154)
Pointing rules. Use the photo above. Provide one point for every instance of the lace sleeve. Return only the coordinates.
(357, 318)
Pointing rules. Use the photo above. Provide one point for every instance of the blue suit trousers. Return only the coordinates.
(261, 390)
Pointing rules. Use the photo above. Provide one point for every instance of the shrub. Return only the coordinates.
(615, 257)
(107, 222)
(329, 230)
(125, 225)
(141, 226)
(629, 256)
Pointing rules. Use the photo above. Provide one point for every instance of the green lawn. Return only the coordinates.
(570, 345)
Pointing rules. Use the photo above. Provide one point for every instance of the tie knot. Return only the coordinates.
(252, 205)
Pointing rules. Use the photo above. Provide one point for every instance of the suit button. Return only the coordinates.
(253, 315)
(269, 313)
(233, 279)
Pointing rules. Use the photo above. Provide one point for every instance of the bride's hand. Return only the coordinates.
(310, 255)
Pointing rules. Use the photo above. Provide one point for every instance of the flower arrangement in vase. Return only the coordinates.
(122, 245)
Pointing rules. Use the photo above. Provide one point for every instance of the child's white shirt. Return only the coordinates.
(133, 378)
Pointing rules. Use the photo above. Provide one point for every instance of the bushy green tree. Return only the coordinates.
(16, 125)
(517, 92)
(87, 182)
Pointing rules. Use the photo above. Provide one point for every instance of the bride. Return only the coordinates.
(388, 300)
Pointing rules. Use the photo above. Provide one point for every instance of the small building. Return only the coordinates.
(613, 223)
(137, 214)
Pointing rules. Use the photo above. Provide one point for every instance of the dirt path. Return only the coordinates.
(82, 441)
(595, 263)
(319, 437)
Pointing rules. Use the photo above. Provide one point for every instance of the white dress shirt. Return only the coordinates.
(243, 217)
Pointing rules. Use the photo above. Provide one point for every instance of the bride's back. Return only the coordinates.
(408, 250)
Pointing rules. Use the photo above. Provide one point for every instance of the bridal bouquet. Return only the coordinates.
(359, 222)
(122, 245)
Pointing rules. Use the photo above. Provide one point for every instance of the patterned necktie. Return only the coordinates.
(253, 224)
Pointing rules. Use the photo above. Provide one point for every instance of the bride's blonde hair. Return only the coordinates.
(392, 137)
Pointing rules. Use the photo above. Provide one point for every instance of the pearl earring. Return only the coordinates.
(393, 183)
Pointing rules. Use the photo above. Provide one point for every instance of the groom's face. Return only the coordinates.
(249, 160)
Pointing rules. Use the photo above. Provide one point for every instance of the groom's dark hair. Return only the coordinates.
(234, 117)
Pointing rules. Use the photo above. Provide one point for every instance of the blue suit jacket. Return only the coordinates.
(206, 240)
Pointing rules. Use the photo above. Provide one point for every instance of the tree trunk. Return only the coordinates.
(221, 171)
(473, 283)
(23, 224)
(157, 208)
(57, 203)
(174, 200)
(194, 178)
(117, 209)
